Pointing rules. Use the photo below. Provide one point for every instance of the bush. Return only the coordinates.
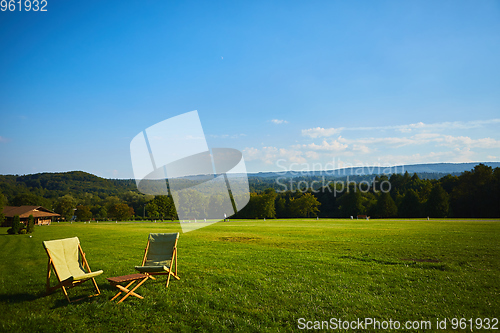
(22, 229)
(16, 224)
(31, 224)
(10, 231)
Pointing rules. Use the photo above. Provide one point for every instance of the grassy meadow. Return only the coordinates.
(258, 276)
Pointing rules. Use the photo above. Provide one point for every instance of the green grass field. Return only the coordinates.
(254, 276)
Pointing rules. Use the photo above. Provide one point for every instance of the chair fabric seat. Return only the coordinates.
(152, 269)
(87, 275)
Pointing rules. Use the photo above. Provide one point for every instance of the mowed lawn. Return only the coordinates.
(254, 275)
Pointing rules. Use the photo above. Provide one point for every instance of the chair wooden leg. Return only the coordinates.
(168, 279)
(96, 287)
(48, 278)
(65, 293)
(176, 261)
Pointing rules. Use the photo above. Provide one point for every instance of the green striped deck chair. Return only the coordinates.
(160, 256)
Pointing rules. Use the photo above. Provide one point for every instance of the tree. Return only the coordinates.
(260, 206)
(280, 207)
(410, 205)
(65, 206)
(136, 200)
(110, 201)
(437, 205)
(477, 193)
(165, 207)
(152, 209)
(192, 204)
(350, 203)
(267, 203)
(449, 182)
(99, 212)
(121, 212)
(30, 199)
(16, 226)
(385, 207)
(83, 213)
(103, 213)
(89, 199)
(3, 203)
(31, 224)
(305, 206)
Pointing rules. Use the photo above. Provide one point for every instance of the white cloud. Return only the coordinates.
(292, 155)
(333, 145)
(312, 155)
(447, 125)
(279, 121)
(227, 136)
(391, 141)
(465, 141)
(321, 132)
(4, 139)
(425, 138)
(270, 155)
(251, 153)
(406, 144)
(456, 155)
(325, 132)
(409, 128)
(361, 148)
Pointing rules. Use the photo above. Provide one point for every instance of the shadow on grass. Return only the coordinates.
(76, 299)
(82, 295)
(19, 297)
(414, 263)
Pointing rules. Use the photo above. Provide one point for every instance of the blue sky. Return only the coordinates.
(291, 84)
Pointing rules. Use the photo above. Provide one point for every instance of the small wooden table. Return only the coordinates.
(132, 278)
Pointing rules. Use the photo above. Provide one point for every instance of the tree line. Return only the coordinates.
(474, 193)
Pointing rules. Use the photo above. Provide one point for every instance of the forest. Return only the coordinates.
(82, 196)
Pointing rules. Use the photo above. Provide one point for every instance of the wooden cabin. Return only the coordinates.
(42, 215)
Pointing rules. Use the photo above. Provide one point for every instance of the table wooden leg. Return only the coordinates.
(115, 281)
(119, 293)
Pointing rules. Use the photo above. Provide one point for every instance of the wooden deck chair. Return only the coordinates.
(160, 256)
(67, 259)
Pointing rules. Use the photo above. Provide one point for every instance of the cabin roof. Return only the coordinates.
(26, 211)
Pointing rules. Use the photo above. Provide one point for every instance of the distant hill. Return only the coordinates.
(439, 168)
(53, 185)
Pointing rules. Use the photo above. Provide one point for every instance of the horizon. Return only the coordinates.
(292, 171)
(363, 84)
